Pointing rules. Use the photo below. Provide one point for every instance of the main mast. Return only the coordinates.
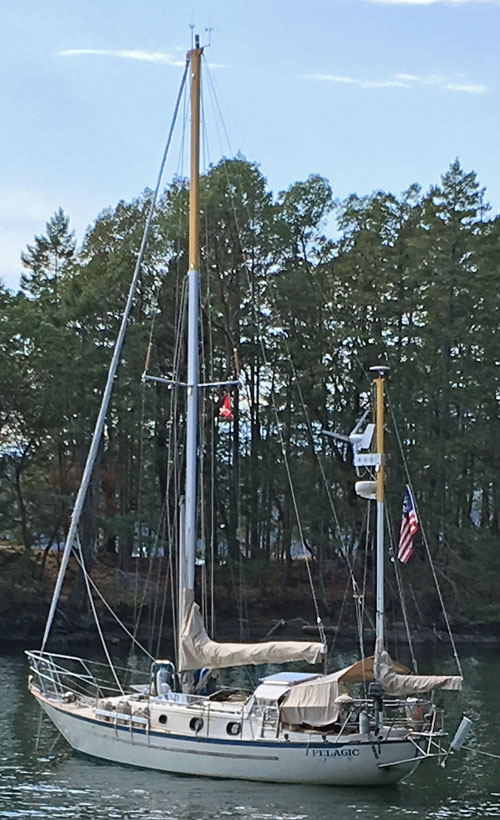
(193, 315)
(379, 379)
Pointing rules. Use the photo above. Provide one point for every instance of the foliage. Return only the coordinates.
(299, 317)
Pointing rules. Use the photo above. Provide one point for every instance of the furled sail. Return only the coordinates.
(395, 683)
(197, 650)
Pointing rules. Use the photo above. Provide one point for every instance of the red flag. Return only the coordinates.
(225, 408)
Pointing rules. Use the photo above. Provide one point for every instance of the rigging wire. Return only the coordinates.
(169, 580)
(99, 425)
(363, 611)
(160, 530)
(212, 451)
(166, 526)
(203, 402)
(174, 455)
(155, 556)
(110, 609)
(146, 586)
(219, 121)
(164, 513)
(233, 458)
(210, 618)
(401, 592)
(399, 580)
(96, 617)
(140, 491)
(273, 402)
(344, 553)
(424, 539)
(357, 597)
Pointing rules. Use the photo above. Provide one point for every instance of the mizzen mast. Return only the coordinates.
(379, 379)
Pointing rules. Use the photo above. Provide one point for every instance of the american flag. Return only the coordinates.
(409, 526)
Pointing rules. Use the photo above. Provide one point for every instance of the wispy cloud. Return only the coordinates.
(434, 2)
(338, 78)
(456, 83)
(124, 54)
(408, 81)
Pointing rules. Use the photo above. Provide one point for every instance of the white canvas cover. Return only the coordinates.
(395, 683)
(313, 702)
(197, 650)
(318, 702)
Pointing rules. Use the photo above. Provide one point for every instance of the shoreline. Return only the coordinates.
(29, 635)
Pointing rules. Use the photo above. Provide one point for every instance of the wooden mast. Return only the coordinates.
(194, 181)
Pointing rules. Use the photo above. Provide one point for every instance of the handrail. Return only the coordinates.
(58, 674)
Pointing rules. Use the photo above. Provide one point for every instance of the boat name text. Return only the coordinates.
(334, 752)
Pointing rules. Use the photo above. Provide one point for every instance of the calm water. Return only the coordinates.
(40, 777)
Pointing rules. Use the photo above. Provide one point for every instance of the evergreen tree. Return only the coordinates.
(45, 261)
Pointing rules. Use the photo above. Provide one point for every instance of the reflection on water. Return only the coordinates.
(40, 777)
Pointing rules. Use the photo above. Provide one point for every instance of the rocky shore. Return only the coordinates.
(272, 609)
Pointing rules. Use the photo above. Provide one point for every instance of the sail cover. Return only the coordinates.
(395, 683)
(197, 650)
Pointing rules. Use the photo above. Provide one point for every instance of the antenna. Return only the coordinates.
(195, 38)
(358, 441)
(209, 31)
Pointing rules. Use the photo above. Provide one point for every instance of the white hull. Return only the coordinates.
(312, 761)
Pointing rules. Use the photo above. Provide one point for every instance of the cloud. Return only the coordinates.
(336, 78)
(433, 2)
(124, 54)
(408, 81)
(467, 88)
(457, 83)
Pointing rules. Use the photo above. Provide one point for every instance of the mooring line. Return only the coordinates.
(480, 752)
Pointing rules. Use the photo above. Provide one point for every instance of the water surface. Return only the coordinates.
(40, 777)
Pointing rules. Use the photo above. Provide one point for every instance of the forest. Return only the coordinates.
(301, 295)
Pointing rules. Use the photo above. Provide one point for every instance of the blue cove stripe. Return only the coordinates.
(221, 741)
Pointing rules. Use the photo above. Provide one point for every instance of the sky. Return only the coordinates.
(372, 94)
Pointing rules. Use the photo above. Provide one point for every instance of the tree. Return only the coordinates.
(46, 260)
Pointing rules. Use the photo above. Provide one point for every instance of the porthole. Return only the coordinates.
(162, 719)
(233, 728)
(196, 724)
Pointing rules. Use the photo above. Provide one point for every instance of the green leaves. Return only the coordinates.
(410, 280)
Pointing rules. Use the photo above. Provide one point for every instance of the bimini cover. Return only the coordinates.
(314, 703)
(197, 650)
(318, 702)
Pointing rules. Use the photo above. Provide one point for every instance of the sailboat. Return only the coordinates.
(298, 727)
